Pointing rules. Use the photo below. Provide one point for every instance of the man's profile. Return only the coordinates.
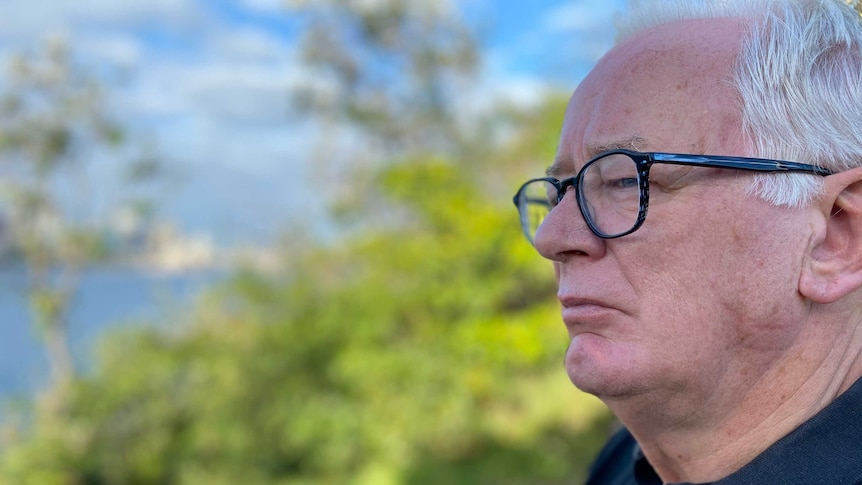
(704, 219)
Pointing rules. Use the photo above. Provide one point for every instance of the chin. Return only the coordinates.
(608, 390)
(596, 367)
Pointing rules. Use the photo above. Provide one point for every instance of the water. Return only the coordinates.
(107, 298)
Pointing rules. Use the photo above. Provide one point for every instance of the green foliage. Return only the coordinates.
(426, 350)
(421, 345)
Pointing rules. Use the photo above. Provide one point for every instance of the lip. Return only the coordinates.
(586, 314)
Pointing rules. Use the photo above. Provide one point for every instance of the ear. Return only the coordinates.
(834, 268)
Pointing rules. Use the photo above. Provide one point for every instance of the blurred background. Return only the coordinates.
(272, 242)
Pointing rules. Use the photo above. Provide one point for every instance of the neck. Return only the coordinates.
(708, 437)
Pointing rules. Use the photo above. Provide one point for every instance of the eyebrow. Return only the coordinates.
(560, 164)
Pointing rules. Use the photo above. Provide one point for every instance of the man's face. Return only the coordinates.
(704, 295)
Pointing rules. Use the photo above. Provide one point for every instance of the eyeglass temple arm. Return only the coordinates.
(742, 163)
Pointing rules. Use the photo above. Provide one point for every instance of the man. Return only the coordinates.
(724, 329)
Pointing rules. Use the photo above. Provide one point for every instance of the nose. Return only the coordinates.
(564, 233)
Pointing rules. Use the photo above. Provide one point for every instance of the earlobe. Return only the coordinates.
(834, 266)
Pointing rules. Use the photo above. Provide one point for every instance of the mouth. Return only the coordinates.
(582, 315)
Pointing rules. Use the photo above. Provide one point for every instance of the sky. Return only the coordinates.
(207, 83)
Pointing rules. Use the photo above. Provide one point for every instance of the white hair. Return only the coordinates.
(799, 79)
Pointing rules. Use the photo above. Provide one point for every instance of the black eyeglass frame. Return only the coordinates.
(645, 160)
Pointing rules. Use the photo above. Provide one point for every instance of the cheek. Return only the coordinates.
(756, 284)
(722, 280)
(762, 294)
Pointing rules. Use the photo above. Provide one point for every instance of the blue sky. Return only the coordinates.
(206, 81)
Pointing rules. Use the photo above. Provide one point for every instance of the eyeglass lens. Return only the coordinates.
(609, 197)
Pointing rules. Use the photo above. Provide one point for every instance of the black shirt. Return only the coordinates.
(825, 450)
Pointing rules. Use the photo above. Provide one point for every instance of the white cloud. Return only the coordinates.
(39, 18)
(239, 77)
(212, 93)
(264, 5)
(116, 49)
(581, 16)
(252, 45)
(496, 88)
(586, 27)
(128, 11)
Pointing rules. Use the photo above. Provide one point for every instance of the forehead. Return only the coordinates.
(667, 89)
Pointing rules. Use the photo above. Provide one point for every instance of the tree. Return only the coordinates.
(427, 353)
(391, 75)
(422, 347)
(389, 68)
(54, 124)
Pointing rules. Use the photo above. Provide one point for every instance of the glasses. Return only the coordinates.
(613, 189)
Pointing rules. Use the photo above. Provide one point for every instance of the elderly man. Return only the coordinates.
(704, 219)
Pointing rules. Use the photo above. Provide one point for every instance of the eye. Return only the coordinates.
(623, 183)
